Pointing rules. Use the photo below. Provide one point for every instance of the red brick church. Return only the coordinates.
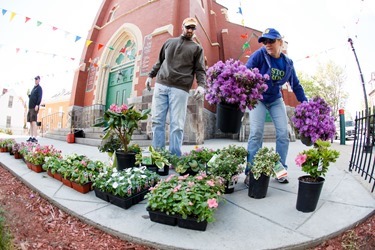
(124, 43)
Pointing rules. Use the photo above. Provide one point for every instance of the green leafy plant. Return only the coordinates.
(110, 145)
(264, 162)
(122, 121)
(315, 161)
(228, 162)
(195, 160)
(77, 168)
(125, 183)
(188, 196)
(157, 158)
(52, 163)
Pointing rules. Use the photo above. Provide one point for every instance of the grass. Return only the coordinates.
(5, 236)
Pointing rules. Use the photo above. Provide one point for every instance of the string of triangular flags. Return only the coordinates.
(27, 19)
(19, 50)
(246, 49)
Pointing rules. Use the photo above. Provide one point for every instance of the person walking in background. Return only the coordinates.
(35, 97)
(180, 59)
(270, 60)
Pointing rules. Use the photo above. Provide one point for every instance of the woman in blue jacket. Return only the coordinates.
(270, 60)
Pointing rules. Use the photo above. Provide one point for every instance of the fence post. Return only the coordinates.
(342, 126)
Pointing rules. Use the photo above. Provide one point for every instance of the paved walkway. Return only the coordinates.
(241, 222)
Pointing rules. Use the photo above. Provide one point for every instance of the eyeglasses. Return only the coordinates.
(190, 27)
(269, 41)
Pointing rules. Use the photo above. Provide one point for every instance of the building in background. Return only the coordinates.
(13, 112)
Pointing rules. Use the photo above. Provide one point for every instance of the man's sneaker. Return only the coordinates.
(283, 180)
(34, 140)
(29, 140)
(247, 180)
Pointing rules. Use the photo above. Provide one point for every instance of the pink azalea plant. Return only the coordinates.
(187, 196)
(315, 161)
(122, 121)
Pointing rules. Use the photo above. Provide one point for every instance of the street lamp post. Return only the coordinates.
(368, 147)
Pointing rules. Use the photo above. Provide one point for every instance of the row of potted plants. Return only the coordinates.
(6, 145)
(74, 170)
(121, 188)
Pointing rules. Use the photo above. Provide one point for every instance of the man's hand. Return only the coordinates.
(148, 83)
(199, 92)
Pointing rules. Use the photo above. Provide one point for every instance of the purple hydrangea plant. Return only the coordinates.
(233, 83)
(313, 119)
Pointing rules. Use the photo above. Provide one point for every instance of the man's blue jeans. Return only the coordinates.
(279, 117)
(173, 100)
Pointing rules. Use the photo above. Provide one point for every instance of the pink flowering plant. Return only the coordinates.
(315, 161)
(39, 153)
(187, 196)
(313, 119)
(232, 82)
(122, 121)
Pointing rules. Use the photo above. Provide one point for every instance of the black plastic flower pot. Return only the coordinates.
(308, 194)
(125, 160)
(229, 118)
(258, 188)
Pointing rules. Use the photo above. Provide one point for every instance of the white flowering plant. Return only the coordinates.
(125, 183)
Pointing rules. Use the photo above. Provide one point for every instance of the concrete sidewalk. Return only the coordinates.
(241, 222)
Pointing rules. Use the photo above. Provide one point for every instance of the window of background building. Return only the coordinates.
(61, 111)
(10, 102)
(9, 121)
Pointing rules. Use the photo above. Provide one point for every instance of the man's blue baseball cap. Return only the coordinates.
(269, 33)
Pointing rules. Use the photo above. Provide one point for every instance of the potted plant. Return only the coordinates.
(123, 121)
(153, 160)
(314, 163)
(228, 163)
(15, 149)
(262, 168)
(5, 144)
(126, 187)
(52, 164)
(9, 144)
(194, 161)
(234, 88)
(36, 157)
(25, 148)
(313, 121)
(70, 138)
(187, 201)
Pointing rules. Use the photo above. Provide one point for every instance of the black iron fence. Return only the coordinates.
(86, 117)
(362, 160)
(51, 122)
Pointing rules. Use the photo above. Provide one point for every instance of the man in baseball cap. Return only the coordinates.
(190, 21)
